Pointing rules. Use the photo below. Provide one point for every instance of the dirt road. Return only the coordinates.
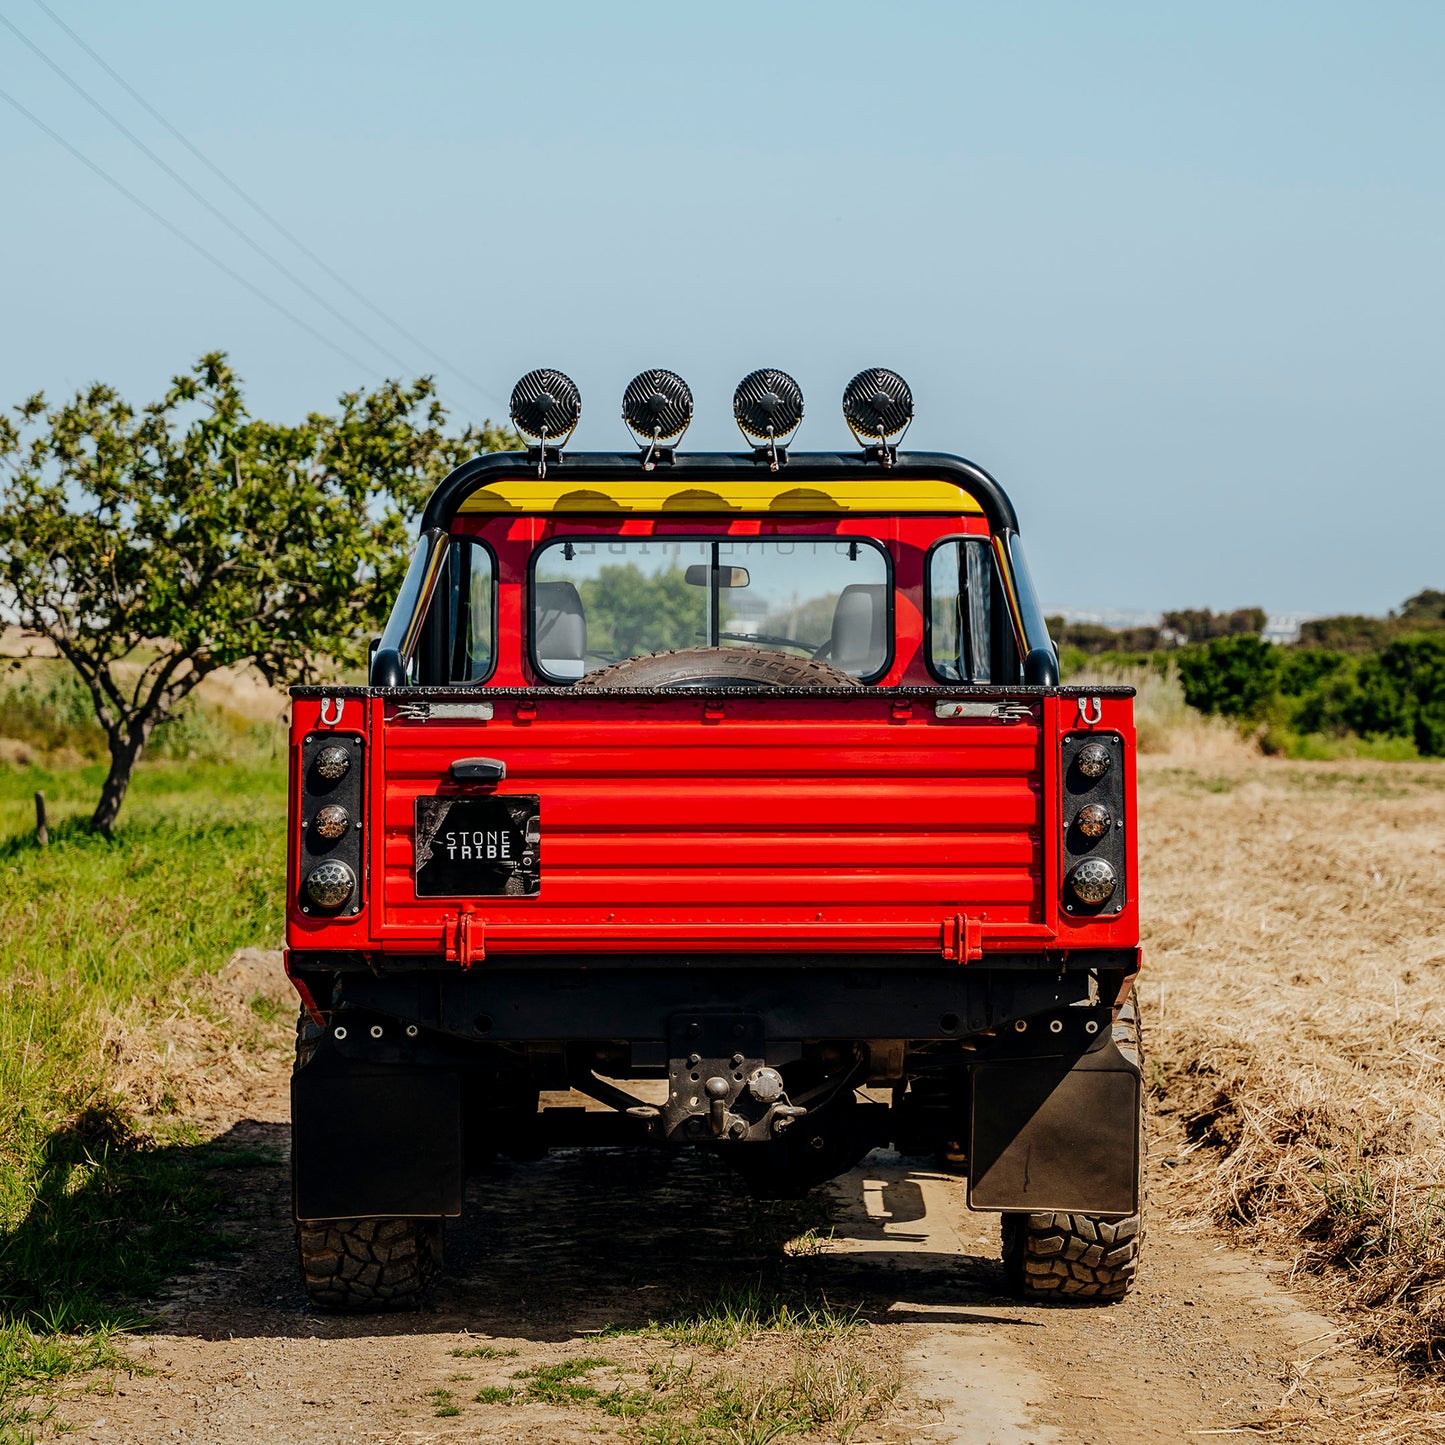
(1293, 971)
(563, 1262)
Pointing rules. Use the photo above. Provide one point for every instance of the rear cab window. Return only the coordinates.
(595, 602)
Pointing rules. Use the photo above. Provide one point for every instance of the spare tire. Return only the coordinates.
(717, 667)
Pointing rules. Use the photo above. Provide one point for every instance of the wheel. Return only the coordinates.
(717, 666)
(368, 1264)
(1080, 1256)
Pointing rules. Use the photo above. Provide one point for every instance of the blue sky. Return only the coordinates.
(1173, 273)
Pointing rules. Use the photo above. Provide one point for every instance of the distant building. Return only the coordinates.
(1284, 627)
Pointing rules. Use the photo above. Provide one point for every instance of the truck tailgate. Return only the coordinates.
(679, 822)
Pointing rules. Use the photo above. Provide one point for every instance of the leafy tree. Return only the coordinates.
(155, 546)
(1235, 676)
(1426, 606)
(630, 611)
(1402, 693)
(1202, 625)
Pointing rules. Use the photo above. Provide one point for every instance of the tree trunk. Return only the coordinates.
(125, 751)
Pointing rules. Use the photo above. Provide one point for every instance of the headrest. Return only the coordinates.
(559, 624)
(860, 629)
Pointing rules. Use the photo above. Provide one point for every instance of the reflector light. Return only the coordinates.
(878, 406)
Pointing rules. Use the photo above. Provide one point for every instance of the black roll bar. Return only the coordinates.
(1041, 667)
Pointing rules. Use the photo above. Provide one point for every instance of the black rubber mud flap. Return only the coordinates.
(1056, 1135)
(376, 1143)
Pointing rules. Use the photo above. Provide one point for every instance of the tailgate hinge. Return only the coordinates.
(962, 939)
(465, 940)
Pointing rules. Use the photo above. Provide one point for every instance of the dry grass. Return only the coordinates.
(1295, 961)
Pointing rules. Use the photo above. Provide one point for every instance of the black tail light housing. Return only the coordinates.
(331, 877)
(1093, 776)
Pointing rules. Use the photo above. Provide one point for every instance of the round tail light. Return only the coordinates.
(330, 884)
(1093, 881)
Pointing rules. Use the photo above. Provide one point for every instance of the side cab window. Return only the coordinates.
(463, 648)
(969, 636)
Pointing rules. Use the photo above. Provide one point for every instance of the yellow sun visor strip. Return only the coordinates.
(656, 492)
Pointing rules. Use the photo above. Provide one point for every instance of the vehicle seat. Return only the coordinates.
(560, 639)
(859, 641)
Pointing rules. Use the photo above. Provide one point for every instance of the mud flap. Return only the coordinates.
(1056, 1135)
(376, 1143)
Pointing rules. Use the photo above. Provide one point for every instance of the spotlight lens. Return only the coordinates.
(332, 762)
(1093, 881)
(330, 884)
(332, 821)
(1094, 760)
(1093, 820)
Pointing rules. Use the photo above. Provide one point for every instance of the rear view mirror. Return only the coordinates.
(698, 575)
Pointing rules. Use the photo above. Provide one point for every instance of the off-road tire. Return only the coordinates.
(727, 666)
(1080, 1256)
(368, 1264)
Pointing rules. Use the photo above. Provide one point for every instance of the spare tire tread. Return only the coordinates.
(761, 666)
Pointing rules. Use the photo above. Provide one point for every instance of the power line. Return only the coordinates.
(261, 210)
(180, 235)
(196, 195)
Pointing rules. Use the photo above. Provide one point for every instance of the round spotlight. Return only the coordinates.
(768, 405)
(332, 822)
(1093, 881)
(546, 406)
(1093, 760)
(657, 405)
(877, 405)
(1093, 820)
(330, 884)
(332, 762)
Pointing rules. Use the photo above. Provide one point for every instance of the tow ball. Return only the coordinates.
(719, 1084)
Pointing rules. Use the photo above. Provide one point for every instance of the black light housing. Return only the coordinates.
(768, 405)
(878, 406)
(546, 407)
(657, 406)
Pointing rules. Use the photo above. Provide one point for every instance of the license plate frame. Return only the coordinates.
(467, 847)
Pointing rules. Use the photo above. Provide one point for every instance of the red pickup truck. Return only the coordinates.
(737, 793)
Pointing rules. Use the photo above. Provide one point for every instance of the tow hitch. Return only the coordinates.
(718, 1082)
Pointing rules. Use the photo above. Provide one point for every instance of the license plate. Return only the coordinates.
(478, 847)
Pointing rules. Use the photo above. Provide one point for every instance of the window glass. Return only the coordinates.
(472, 596)
(595, 603)
(965, 633)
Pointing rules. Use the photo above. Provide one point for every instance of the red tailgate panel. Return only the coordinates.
(675, 823)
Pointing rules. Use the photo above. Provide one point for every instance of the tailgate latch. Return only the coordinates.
(465, 939)
(962, 939)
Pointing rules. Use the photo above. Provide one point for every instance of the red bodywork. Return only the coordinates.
(746, 824)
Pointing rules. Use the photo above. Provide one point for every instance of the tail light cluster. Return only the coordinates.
(332, 782)
(1094, 840)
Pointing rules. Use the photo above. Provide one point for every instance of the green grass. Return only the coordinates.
(737, 1315)
(493, 1395)
(96, 937)
(483, 1352)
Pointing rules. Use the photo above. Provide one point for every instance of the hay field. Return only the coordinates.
(1294, 934)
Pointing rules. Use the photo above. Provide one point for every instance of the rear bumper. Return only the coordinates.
(556, 1000)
